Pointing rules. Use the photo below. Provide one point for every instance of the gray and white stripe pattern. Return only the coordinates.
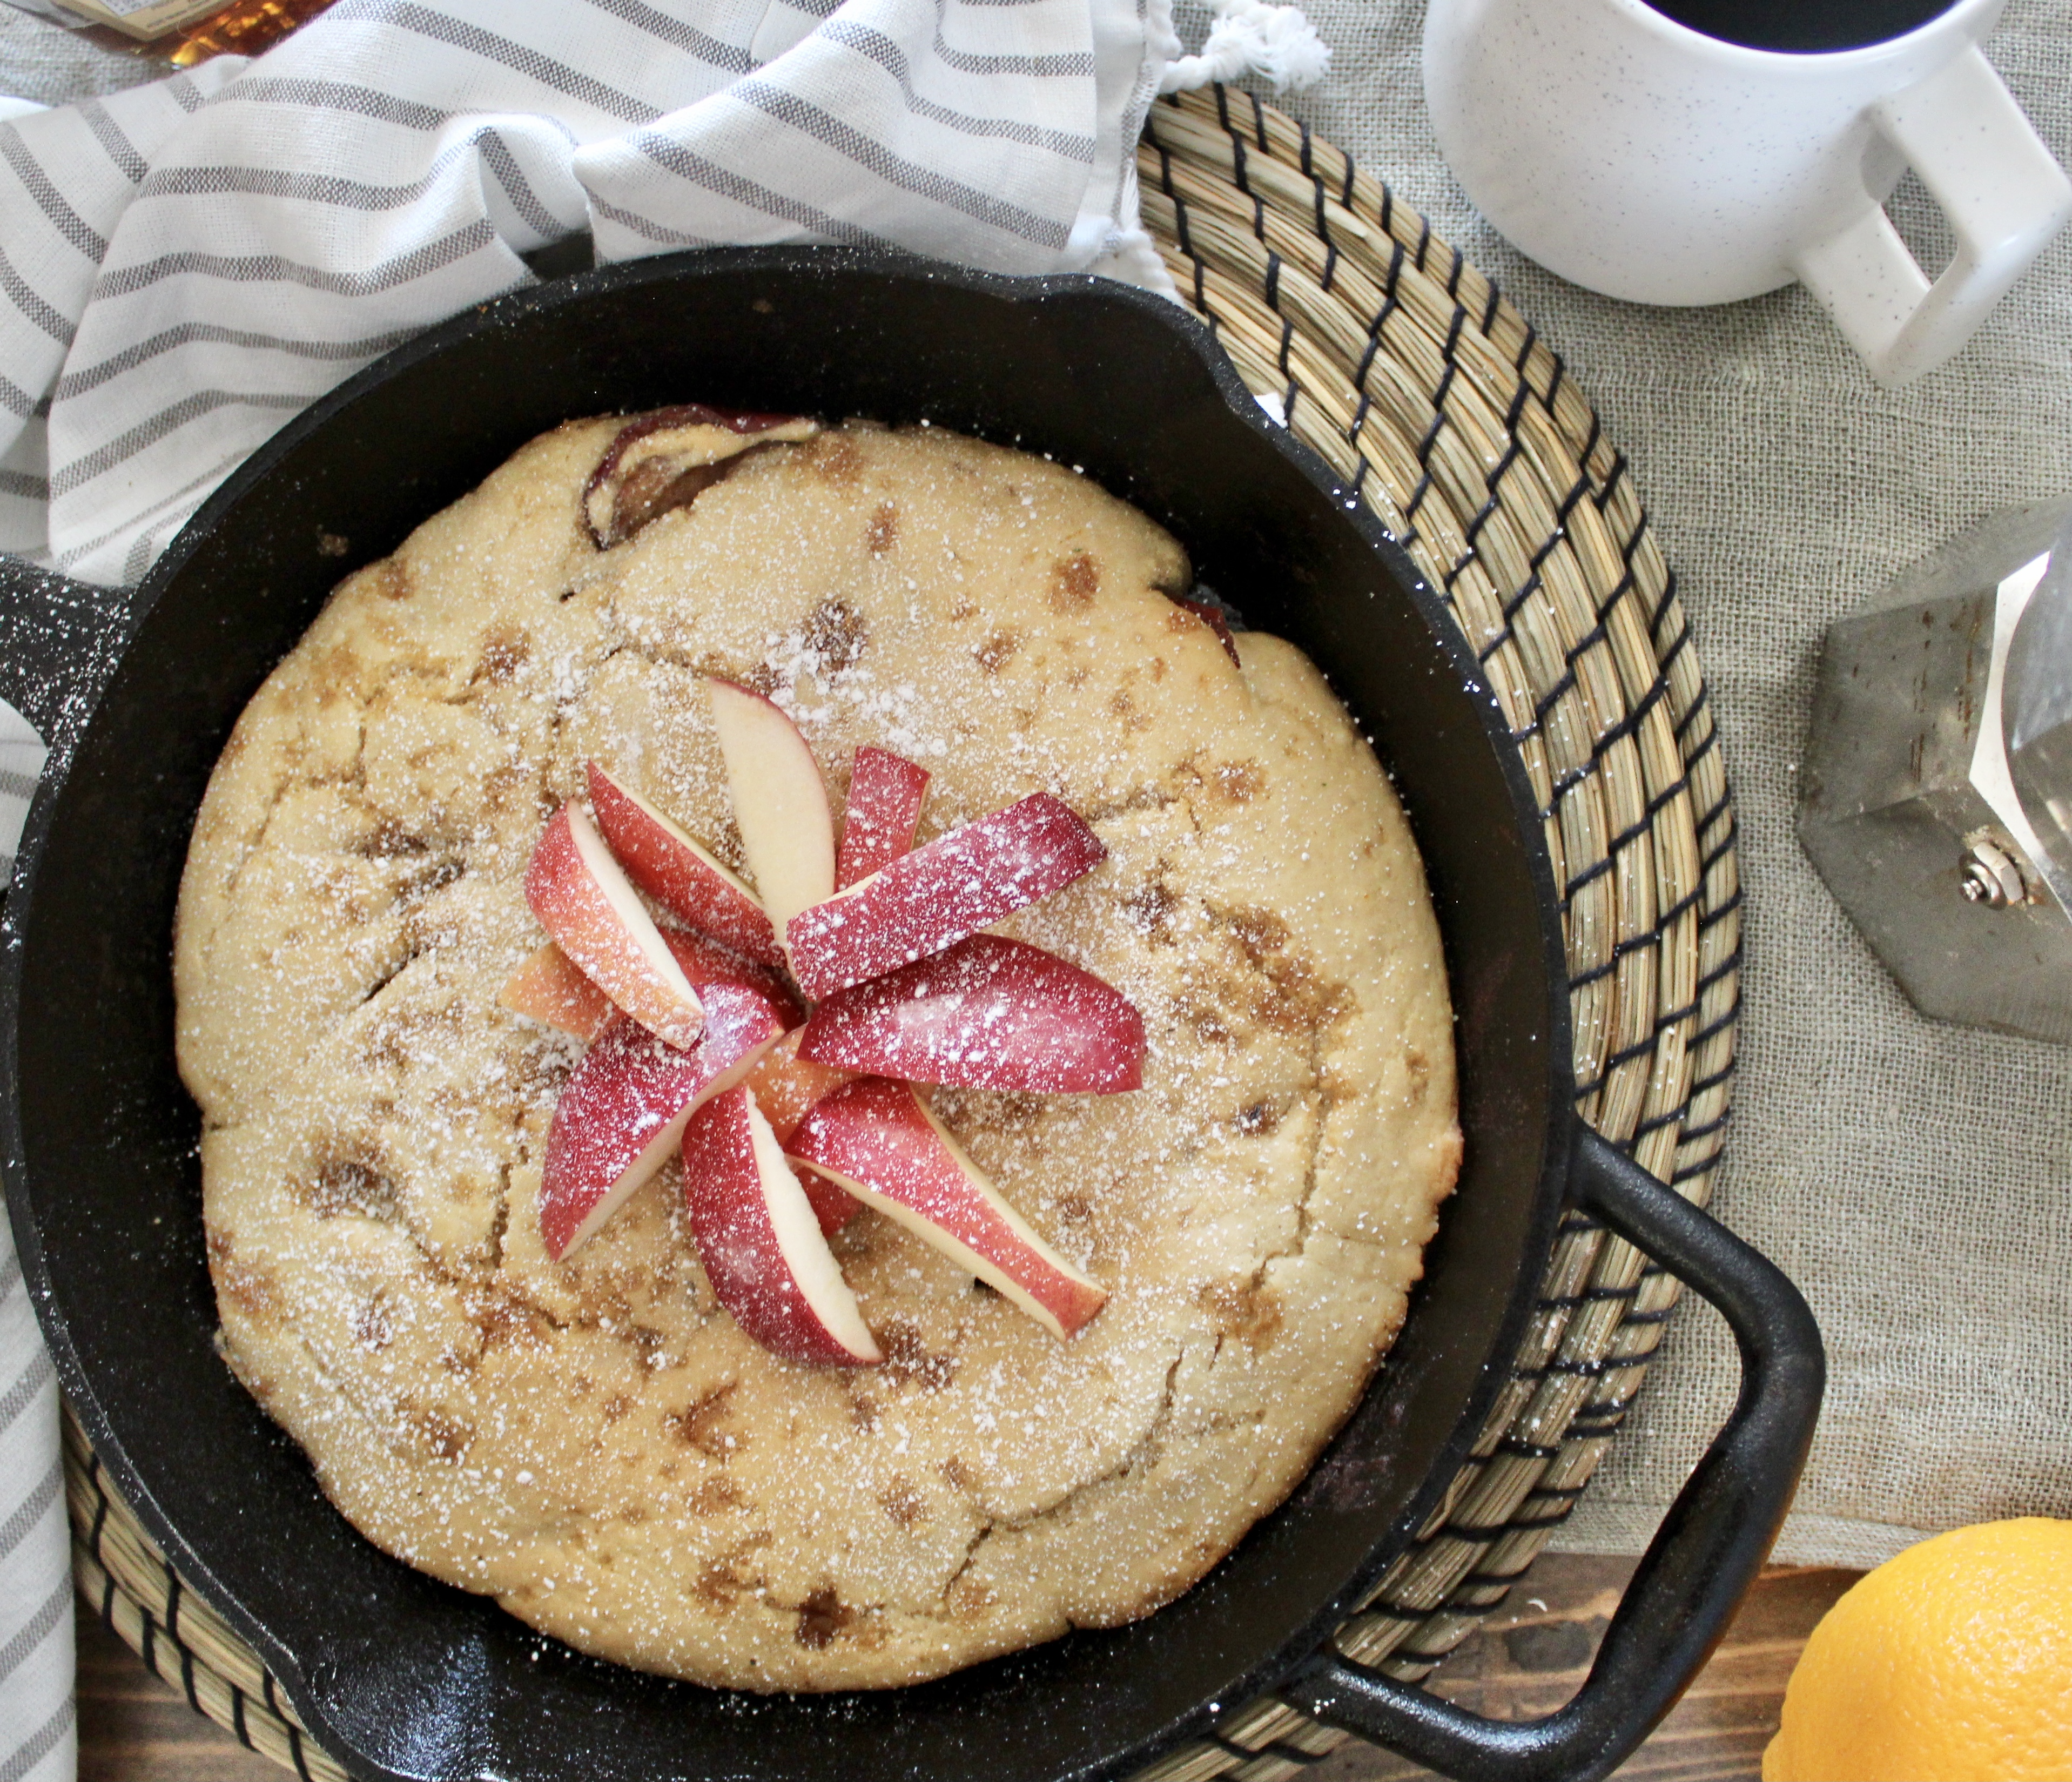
(22, 756)
(36, 1731)
(185, 264)
(37, 1739)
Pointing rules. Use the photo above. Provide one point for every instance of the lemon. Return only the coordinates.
(1951, 1662)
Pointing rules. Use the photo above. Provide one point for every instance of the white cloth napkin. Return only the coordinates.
(37, 1736)
(185, 265)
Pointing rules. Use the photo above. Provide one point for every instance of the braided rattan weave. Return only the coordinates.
(1402, 365)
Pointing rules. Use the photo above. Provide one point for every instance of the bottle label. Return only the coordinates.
(143, 18)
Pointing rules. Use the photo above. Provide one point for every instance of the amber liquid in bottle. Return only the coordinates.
(245, 27)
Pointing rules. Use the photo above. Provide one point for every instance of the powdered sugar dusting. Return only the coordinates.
(593, 1442)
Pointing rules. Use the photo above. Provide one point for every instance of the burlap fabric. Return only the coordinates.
(1915, 1179)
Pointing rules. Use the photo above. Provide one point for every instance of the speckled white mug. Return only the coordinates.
(1632, 155)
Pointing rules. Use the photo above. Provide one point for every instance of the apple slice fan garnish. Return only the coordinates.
(789, 1122)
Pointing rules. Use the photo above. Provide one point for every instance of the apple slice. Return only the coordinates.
(586, 903)
(940, 894)
(549, 988)
(875, 1138)
(988, 1014)
(760, 1242)
(705, 964)
(625, 1107)
(786, 1086)
(834, 1208)
(674, 870)
(779, 800)
(668, 457)
(885, 795)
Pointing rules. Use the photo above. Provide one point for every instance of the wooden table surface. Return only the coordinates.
(1527, 1659)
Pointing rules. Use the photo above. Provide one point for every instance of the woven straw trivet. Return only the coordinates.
(1435, 400)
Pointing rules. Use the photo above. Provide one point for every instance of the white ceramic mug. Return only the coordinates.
(1637, 156)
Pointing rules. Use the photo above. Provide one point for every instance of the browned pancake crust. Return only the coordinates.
(596, 1443)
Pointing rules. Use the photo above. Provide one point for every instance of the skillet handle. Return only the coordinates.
(58, 639)
(1707, 1551)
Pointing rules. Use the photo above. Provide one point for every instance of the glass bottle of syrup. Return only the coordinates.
(184, 32)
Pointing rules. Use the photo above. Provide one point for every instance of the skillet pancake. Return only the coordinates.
(594, 1443)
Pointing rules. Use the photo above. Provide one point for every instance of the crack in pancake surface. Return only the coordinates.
(516, 1427)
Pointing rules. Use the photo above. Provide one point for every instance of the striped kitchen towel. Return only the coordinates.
(36, 1735)
(185, 264)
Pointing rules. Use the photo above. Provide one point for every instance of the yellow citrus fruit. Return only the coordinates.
(1951, 1662)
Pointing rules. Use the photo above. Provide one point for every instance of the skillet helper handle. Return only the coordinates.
(58, 638)
(1707, 1551)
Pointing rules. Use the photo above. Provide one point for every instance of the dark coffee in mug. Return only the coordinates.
(1802, 28)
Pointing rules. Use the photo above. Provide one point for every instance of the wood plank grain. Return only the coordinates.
(1531, 1656)
(133, 1728)
(1527, 1659)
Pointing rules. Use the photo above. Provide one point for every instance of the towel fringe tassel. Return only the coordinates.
(1277, 44)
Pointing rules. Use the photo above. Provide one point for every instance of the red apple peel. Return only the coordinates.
(1213, 618)
(885, 793)
(703, 963)
(761, 1242)
(678, 872)
(988, 1013)
(928, 900)
(589, 907)
(876, 1139)
(624, 1108)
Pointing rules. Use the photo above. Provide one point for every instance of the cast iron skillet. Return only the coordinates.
(405, 1677)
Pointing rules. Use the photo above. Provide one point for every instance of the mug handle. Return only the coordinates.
(2001, 188)
(1704, 1556)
